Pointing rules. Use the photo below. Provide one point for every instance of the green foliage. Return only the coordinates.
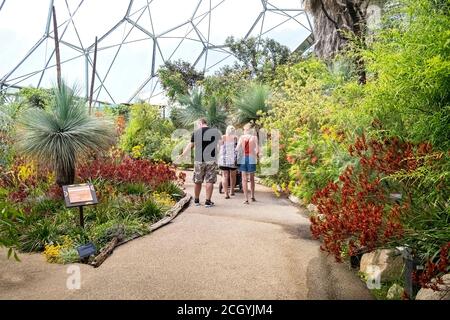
(171, 189)
(309, 109)
(118, 110)
(319, 109)
(175, 116)
(63, 134)
(47, 206)
(126, 208)
(8, 229)
(150, 211)
(36, 97)
(69, 255)
(178, 78)
(410, 67)
(122, 228)
(133, 188)
(35, 236)
(148, 129)
(8, 117)
(195, 107)
(260, 56)
(252, 104)
(225, 84)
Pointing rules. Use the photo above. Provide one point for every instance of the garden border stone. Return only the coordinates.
(116, 242)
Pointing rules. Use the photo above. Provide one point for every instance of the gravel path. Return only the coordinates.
(232, 251)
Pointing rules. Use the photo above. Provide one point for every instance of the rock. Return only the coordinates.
(312, 208)
(395, 292)
(295, 199)
(442, 294)
(388, 263)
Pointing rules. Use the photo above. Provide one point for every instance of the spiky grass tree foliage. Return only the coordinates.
(195, 106)
(252, 104)
(63, 134)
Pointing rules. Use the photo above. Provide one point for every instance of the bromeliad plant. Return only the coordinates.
(63, 134)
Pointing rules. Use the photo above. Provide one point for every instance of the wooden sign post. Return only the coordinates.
(80, 195)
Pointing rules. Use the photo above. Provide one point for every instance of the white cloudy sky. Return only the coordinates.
(23, 23)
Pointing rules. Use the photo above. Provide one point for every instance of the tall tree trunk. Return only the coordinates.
(359, 23)
(336, 22)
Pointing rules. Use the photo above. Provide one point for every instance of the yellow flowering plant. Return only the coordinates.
(53, 252)
(164, 200)
(136, 151)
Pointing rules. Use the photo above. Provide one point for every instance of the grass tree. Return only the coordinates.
(252, 104)
(63, 133)
(195, 106)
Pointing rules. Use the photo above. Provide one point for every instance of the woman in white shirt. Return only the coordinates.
(227, 160)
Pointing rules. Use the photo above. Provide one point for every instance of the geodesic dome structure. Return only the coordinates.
(135, 37)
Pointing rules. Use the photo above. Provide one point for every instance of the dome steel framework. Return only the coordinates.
(194, 37)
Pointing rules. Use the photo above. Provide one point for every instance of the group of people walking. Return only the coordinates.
(234, 153)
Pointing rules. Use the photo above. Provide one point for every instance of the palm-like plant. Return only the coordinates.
(252, 104)
(63, 134)
(195, 106)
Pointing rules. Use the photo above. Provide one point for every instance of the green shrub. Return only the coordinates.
(68, 255)
(410, 66)
(122, 228)
(170, 188)
(149, 130)
(47, 206)
(9, 233)
(150, 211)
(35, 236)
(133, 188)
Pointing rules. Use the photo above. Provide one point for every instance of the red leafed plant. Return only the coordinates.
(356, 213)
(128, 170)
(432, 270)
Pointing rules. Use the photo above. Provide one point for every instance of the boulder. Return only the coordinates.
(295, 199)
(387, 262)
(312, 208)
(442, 294)
(395, 292)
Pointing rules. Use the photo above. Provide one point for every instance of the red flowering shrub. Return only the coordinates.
(356, 213)
(129, 170)
(433, 269)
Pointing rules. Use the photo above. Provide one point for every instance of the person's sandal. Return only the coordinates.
(253, 199)
(246, 202)
(227, 197)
